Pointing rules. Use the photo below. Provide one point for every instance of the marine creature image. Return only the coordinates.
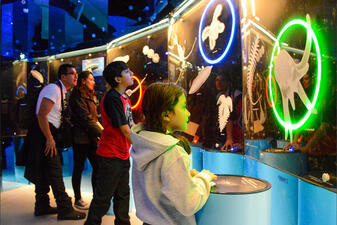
(225, 105)
(214, 29)
(288, 74)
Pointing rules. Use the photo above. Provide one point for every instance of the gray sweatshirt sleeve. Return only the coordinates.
(188, 194)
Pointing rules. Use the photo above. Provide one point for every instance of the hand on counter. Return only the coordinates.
(293, 146)
(210, 174)
(194, 172)
(228, 145)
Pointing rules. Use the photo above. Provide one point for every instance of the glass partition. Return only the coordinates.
(204, 57)
(289, 86)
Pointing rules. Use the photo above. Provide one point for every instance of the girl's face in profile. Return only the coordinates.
(177, 119)
(89, 82)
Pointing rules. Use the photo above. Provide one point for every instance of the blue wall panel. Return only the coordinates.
(317, 206)
(284, 189)
(253, 147)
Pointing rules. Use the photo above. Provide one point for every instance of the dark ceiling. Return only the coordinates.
(46, 27)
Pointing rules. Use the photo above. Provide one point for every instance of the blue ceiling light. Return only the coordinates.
(147, 8)
(201, 49)
(93, 35)
(130, 7)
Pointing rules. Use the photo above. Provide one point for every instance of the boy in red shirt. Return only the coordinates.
(113, 150)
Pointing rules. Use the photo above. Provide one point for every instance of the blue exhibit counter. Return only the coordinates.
(294, 200)
(294, 162)
(234, 195)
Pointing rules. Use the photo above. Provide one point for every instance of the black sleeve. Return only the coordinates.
(113, 107)
(82, 117)
(234, 114)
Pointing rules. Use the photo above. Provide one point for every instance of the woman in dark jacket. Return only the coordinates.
(86, 131)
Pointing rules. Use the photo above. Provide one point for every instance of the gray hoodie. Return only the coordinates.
(163, 189)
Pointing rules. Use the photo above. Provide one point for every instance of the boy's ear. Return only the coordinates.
(118, 79)
(166, 116)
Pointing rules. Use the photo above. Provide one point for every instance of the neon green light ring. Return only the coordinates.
(287, 124)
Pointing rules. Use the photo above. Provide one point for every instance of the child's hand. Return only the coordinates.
(193, 172)
(210, 174)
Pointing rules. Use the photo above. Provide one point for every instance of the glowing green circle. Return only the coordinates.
(287, 124)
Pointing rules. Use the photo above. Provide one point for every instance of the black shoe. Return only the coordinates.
(50, 210)
(74, 215)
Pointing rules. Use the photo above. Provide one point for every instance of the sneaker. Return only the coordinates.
(47, 211)
(80, 204)
(74, 215)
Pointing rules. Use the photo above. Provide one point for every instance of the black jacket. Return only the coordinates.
(84, 118)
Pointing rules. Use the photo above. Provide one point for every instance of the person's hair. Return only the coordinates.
(82, 88)
(226, 77)
(113, 70)
(63, 69)
(158, 99)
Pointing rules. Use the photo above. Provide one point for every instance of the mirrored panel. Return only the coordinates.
(204, 57)
(289, 86)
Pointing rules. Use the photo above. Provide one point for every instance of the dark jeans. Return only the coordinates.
(52, 175)
(112, 181)
(81, 153)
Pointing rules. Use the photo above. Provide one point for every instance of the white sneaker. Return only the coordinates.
(80, 204)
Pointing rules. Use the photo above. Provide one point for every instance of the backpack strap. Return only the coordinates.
(62, 101)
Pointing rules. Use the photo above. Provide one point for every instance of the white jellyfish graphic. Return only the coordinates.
(225, 105)
(214, 29)
(288, 74)
(200, 79)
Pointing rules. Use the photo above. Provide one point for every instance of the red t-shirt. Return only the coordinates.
(116, 112)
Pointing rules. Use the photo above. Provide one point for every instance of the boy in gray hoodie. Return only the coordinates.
(165, 192)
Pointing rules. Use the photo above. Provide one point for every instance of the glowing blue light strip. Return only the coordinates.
(215, 61)
(21, 87)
